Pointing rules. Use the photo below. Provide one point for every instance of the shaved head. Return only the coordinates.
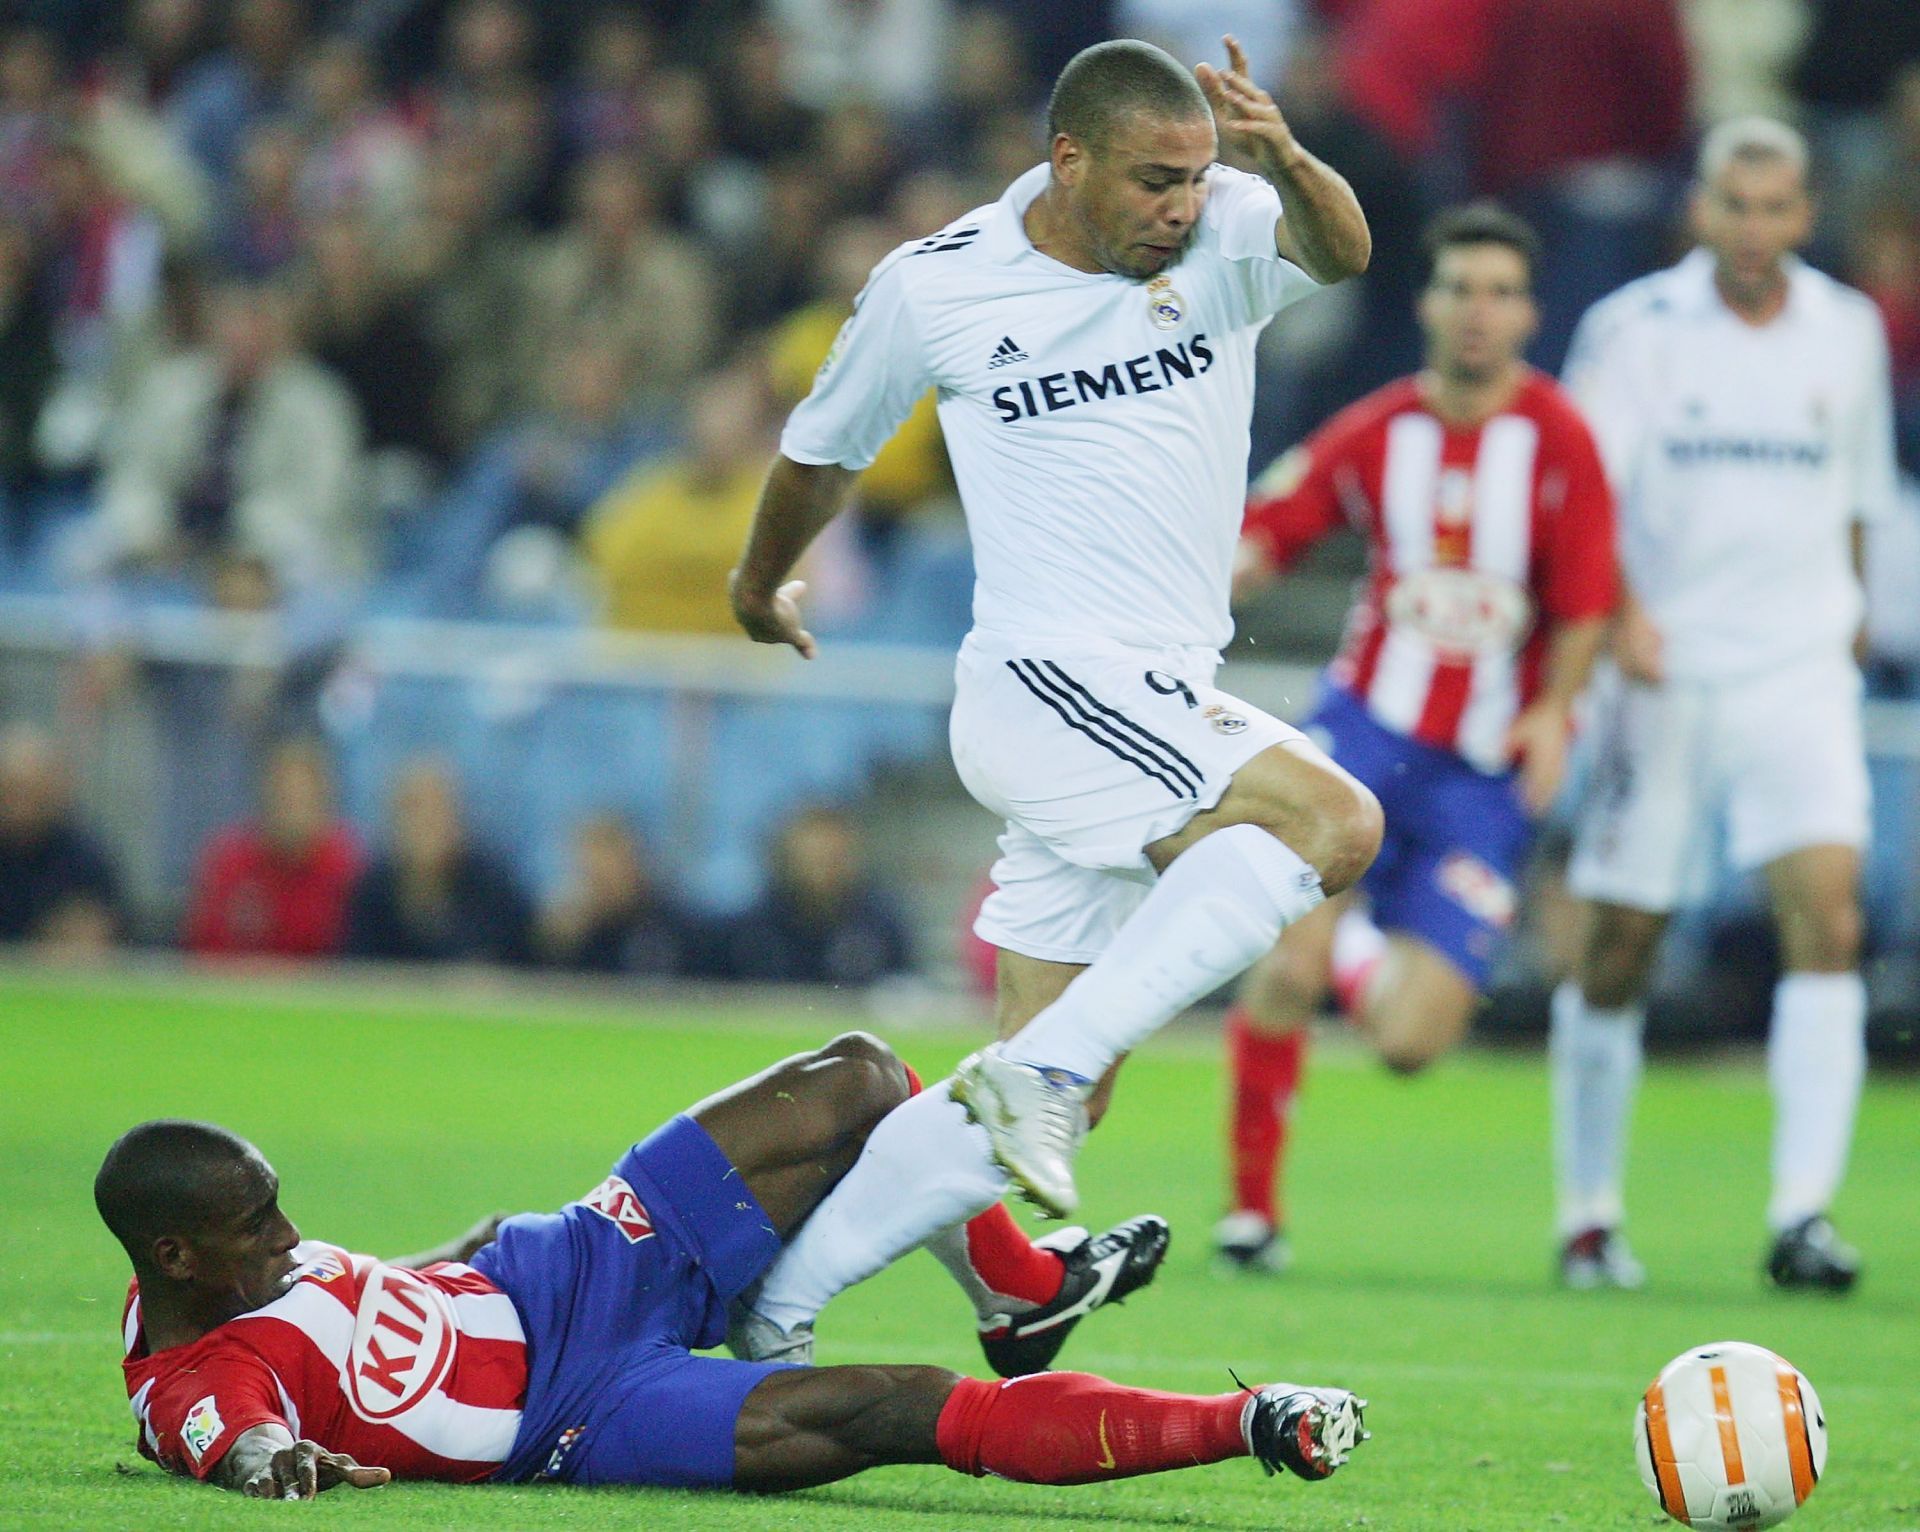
(171, 1176)
(1104, 85)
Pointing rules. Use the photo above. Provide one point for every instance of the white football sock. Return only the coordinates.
(924, 1169)
(949, 1247)
(1213, 912)
(1594, 1057)
(1816, 1059)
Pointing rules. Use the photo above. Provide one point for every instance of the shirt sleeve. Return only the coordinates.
(1601, 375)
(1294, 503)
(1579, 576)
(1875, 479)
(872, 378)
(1246, 213)
(194, 1416)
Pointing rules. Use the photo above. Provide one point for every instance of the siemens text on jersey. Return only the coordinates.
(1145, 374)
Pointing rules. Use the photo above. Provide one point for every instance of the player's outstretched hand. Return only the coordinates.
(1244, 111)
(305, 1469)
(773, 619)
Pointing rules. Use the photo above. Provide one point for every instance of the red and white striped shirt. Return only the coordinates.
(421, 1372)
(1479, 540)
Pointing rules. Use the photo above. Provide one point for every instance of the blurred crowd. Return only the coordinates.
(492, 309)
(294, 881)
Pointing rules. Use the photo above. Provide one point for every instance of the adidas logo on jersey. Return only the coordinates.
(1006, 352)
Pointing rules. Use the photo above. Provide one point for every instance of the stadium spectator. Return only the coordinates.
(617, 270)
(1743, 53)
(433, 895)
(58, 889)
(604, 104)
(277, 885)
(103, 277)
(912, 466)
(368, 330)
(884, 51)
(260, 228)
(360, 155)
(614, 917)
(763, 122)
(1586, 154)
(242, 445)
(663, 540)
(27, 365)
(546, 469)
(771, 270)
(822, 920)
(223, 97)
(984, 74)
(485, 95)
(161, 41)
(463, 262)
(31, 120)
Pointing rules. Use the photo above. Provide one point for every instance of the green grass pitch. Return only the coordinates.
(1420, 1215)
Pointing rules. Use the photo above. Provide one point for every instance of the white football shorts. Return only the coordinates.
(1090, 757)
(1774, 762)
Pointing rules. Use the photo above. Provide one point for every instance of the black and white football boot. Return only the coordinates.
(1811, 1255)
(1101, 1270)
(1307, 1431)
(1247, 1241)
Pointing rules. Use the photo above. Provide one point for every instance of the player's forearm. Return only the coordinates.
(1324, 224)
(798, 501)
(1572, 650)
(459, 1249)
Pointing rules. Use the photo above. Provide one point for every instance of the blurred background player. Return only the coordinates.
(1092, 337)
(1741, 400)
(1491, 577)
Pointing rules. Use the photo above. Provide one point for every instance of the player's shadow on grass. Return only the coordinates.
(1060, 1505)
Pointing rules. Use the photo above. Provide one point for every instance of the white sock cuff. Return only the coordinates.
(1831, 994)
(1286, 877)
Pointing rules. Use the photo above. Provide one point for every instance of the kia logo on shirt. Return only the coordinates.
(403, 1338)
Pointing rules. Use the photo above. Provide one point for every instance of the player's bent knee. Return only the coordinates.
(870, 1080)
(1350, 827)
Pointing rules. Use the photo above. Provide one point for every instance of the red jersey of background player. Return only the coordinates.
(422, 1372)
(1479, 539)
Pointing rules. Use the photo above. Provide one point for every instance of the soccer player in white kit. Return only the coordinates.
(1741, 401)
(1091, 338)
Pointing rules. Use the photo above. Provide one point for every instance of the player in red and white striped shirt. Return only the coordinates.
(1491, 577)
(560, 1346)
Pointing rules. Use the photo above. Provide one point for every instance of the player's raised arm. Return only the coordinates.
(1324, 231)
(266, 1463)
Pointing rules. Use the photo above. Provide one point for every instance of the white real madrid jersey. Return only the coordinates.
(1742, 455)
(1098, 425)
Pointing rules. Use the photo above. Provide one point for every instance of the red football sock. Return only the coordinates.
(1010, 1263)
(1003, 1257)
(1073, 1428)
(1266, 1073)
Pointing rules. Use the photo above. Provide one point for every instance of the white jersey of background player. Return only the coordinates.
(1091, 338)
(1741, 400)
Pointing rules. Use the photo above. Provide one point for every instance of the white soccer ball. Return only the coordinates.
(1730, 1437)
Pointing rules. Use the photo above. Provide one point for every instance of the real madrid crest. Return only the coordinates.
(1165, 306)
